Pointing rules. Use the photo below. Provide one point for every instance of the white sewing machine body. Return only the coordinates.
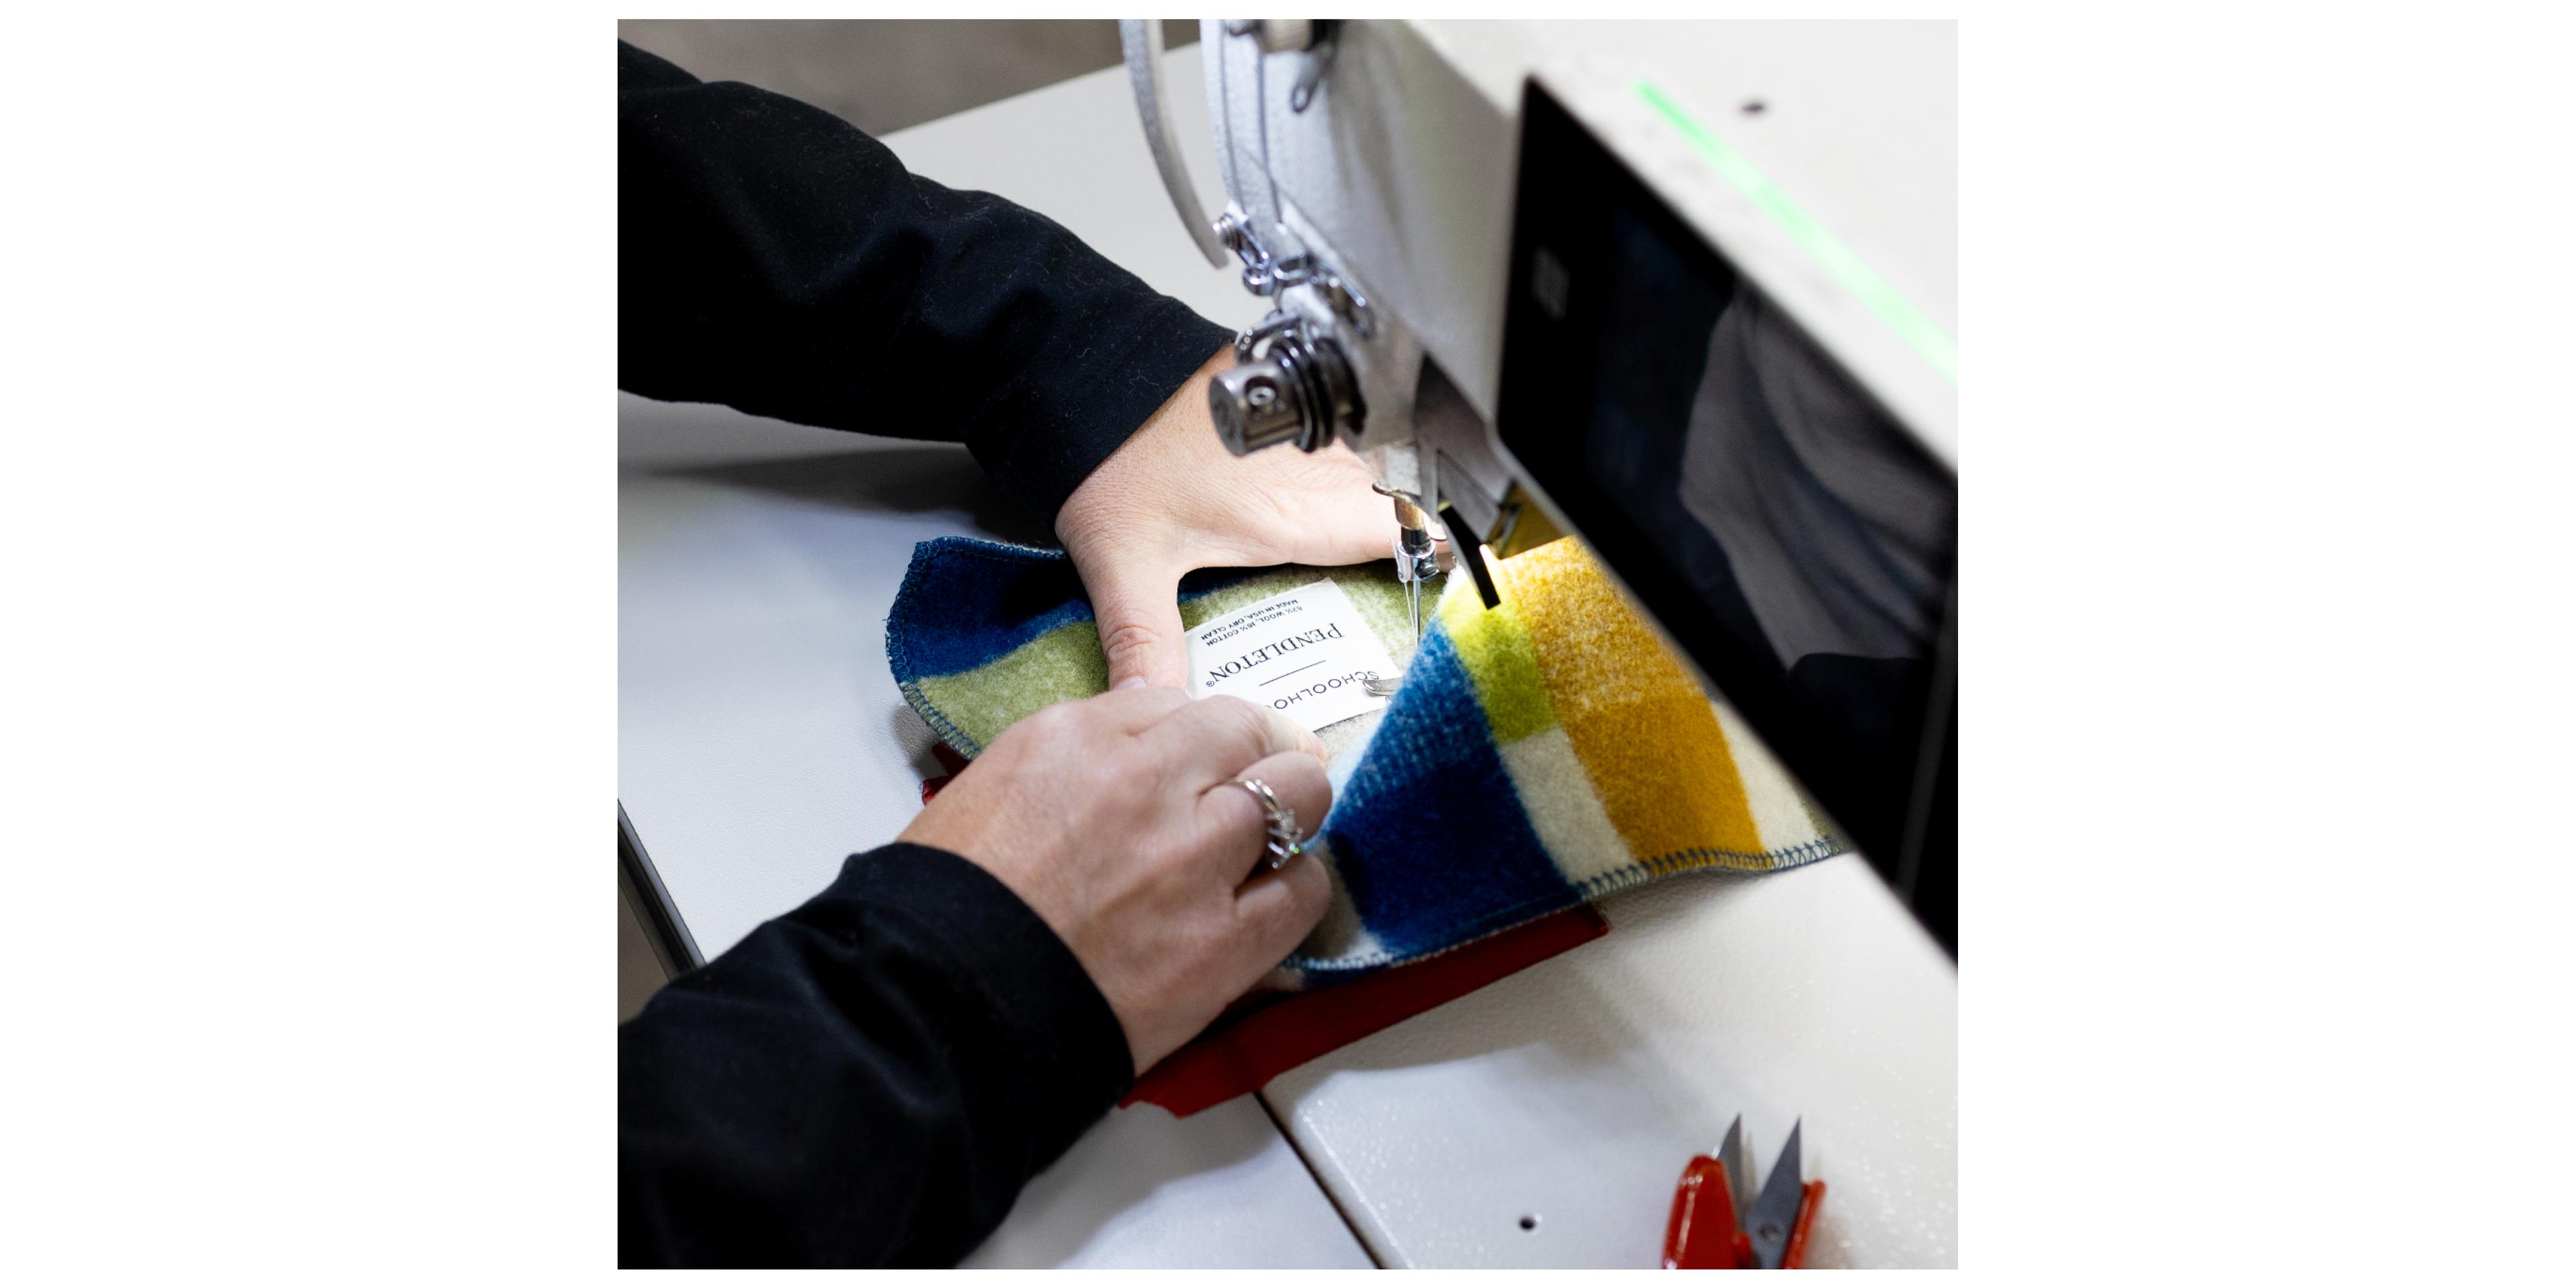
(1400, 172)
(1686, 289)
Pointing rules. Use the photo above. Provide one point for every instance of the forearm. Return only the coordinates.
(775, 258)
(867, 1080)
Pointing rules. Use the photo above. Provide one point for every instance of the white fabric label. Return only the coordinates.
(1305, 653)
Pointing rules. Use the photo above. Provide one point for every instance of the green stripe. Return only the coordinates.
(1922, 334)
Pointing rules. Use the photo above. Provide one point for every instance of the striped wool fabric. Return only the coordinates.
(1540, 754)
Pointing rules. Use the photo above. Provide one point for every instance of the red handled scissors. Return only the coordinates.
(1720, 1223)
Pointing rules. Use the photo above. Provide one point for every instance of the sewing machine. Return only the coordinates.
(1683, 289)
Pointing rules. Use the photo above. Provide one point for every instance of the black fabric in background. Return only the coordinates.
(774, 258)
(870, 1079)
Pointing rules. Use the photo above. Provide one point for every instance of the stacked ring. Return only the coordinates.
(1282, 842)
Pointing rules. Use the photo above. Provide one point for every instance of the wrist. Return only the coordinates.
(1125, 482)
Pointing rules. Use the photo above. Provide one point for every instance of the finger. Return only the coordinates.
(1213, 739)
(1235, 815)
(1137, 707)
(1136, 603)
(1279, 909)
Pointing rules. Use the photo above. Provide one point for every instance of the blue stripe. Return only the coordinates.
(1428, 835)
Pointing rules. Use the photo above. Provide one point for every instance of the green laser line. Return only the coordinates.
(1920, 333)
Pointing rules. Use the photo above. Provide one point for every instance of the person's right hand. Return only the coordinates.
(1116, 819)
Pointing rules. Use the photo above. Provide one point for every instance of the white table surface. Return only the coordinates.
(762, 739)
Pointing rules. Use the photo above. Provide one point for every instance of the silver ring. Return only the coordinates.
(1282, 842)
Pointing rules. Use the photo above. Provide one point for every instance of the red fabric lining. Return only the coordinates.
(1262, 1038)
(948, 760)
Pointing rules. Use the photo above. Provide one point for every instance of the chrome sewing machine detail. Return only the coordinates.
(1293, 384)
(1326, 365)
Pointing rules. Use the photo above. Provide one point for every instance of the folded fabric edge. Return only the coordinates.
(1495, 923)
(938, 721)
(925, 556)
(1584, 892)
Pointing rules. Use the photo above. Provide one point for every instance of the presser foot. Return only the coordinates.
(1417, 562)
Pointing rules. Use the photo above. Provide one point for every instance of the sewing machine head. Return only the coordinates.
(1517, 269)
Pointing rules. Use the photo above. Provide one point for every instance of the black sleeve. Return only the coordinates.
(772, 257)
(866, 1081)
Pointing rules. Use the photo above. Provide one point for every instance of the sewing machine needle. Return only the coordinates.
(1415, 563)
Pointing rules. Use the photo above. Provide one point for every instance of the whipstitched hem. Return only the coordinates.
(1586, 891)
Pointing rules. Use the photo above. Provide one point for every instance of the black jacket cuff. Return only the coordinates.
(1046, 1020)
(1063, 423)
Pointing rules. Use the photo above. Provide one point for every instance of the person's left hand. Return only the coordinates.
(1171, 499)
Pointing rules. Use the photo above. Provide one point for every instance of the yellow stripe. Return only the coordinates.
(1641, 726)
(1779, 810)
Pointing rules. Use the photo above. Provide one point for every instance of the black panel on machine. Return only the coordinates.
(1780, 523)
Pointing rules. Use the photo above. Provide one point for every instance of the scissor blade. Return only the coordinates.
(1775, 1215)
(1738, 1169)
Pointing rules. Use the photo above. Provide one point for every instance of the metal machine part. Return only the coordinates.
(1273, 273)
(1140, 40)
(1314, 36)
(1289, 385)
(1290, 382)
(1484, 508)
(1472, 554)
(1417, 562)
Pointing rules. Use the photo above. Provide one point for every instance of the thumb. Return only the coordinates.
(1136, 605)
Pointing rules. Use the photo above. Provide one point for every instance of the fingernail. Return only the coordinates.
(1132, 682)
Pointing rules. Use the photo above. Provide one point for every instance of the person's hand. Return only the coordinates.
(1171, 499)
(1116, 819)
